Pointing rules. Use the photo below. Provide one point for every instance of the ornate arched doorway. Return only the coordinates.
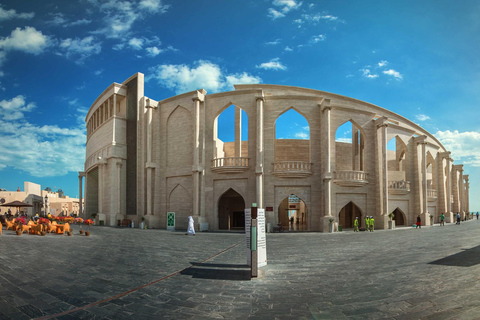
(292, 213)
(399, 217)
(231, 211)
(347, 216)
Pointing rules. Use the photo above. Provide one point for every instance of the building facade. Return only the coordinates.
(145, 158)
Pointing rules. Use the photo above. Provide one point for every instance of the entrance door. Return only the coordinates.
(399, 217)
(231, 214)
(348, 214)
(292, 214)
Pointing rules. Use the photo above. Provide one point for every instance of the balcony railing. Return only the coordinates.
(431, 194)
(350, 178)
(399, 187)
(292, 169)
(230, 164)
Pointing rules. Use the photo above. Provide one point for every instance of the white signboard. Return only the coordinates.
(261, 236)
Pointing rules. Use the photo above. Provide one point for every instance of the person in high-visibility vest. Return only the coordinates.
(355, 225)
(367, 223)
(372, 224)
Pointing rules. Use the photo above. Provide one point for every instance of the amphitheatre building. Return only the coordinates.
(146, 158)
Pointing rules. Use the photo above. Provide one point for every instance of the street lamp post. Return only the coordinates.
(45, 211)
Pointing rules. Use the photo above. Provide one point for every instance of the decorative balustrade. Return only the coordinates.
(350, 178)
(399, 187)
(292, 169)
(230, 164)
(431, 193)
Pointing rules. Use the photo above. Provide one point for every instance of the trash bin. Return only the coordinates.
(101, 222)
(340, 228)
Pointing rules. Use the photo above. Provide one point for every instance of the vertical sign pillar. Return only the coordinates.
(259, 156)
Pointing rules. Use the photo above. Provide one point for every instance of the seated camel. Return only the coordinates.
(36, 229)
(10, 225)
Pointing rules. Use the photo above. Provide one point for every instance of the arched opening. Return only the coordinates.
(397, 164)
(431, 175)
(231, 133)
(292, 213)
(292, 138)
(349, 147)
(347, 216)
(231, 211)
(91, 192)
(399, 218)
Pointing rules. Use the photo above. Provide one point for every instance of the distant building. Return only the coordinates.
(32, 194)
(145, 158)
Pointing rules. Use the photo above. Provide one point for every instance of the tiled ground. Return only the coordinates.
(116, 273)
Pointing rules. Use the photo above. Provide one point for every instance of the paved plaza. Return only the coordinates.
(120, 273)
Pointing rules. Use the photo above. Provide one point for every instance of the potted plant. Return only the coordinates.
(44, 222)
(391, 223)
(88, 222)
(20, 223)
(330, 226)
(431, 219)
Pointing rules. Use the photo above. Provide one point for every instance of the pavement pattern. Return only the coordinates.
(123, 273)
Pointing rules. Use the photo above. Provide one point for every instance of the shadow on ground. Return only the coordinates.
(233, 272)
(466, 258)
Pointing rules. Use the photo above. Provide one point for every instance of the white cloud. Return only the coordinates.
(153, 51)
(42, 151)
(288, 49)
(465, 146)
(345, 140)
(14, 108)
(368, 74)
(273, 43)
(315, 18)
(136, 43)
(285, 7)
(243, 78)
(203, 75)
(393, 73)
(273, 64)
(80, 48)
(28, 40)
(12, 14)
(301, 135)
(382, 63)
(320, 37)
(422, 117)
(119, 16)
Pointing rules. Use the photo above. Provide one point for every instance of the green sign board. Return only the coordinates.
(170, 220)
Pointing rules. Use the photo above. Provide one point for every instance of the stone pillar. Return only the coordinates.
(461, 188)
(259, 165)
(384, 169)
(238, 132)
(465, 194)
(196, 170)
(327, 178)
(114, 142)
(118, 191)
(100, 185)
(150, 166)
(81, 174)
(425, 214)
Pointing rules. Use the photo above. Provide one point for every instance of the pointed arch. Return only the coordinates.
(293, 213)
(180, 202)
(350, 148)
(230, 132)
(347, 215)
(231, 210)
(292, 137)
(180, 138)
(400, 218)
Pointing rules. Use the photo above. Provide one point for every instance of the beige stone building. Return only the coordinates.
(145, 158)
(42, 201)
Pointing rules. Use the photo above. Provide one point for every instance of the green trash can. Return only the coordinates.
(101, 222)
(340, 228)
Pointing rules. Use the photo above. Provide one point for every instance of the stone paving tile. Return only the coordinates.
(431, 273)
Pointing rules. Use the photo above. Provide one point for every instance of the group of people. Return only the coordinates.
(369, 224)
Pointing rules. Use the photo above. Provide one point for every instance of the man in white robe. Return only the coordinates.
(191, 227)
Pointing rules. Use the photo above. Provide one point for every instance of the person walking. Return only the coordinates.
(477, 215)
(191, 227)
(442, 219)
(458, 218)
(355, 225)
(367, 223)
(372, 223)
(419, 222)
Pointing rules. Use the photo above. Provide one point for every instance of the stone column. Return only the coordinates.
(259, 165)
(196, 158)
(461, 193)
(465, 194)
(385, 169)
(149, 165)
(81, 174)
(426, 216)
(328, 176)
(118, 191)
(100, 185)
(238, 132)
(114, 142)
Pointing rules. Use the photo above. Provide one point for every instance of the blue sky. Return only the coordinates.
(416, 58)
